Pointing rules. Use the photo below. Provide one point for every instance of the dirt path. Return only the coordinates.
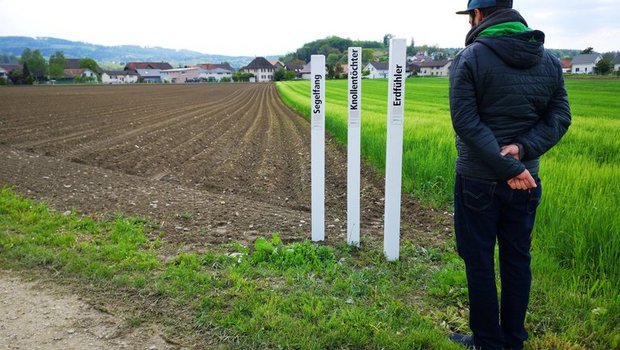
(35, 315)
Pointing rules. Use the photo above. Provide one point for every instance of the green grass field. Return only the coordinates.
(577, 235)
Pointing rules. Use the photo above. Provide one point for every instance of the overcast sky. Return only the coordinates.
(276, 27)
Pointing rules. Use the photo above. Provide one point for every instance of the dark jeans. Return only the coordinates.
(483, 212)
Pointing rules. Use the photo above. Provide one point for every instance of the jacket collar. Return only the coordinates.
(497, 17)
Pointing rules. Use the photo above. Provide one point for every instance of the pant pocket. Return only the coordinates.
(477, 193)
(534, 198)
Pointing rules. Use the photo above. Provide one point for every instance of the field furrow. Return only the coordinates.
(210, 162)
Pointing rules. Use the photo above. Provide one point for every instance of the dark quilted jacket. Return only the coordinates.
(506, 89)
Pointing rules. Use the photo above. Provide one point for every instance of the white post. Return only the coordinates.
(353, 146)
(394, 147)
(317, 151)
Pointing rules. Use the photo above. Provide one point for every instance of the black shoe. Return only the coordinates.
(463, 339)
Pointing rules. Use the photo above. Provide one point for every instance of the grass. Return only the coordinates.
(300, 295)
(577, 235)
(293, 296)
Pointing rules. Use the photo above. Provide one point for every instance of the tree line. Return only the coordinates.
(335, 48)
(36, 69)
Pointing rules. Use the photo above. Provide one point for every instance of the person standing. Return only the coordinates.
(508, 106)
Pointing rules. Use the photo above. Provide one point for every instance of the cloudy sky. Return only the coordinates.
(253, 28)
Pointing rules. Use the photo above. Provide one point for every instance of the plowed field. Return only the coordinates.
(205, 163)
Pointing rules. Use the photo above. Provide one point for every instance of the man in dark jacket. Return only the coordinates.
(508, 106)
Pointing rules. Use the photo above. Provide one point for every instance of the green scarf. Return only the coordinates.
(505, 29)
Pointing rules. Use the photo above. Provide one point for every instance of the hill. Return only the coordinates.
(15, 45)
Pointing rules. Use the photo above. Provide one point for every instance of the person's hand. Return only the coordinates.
(511, 149)
(523, 181)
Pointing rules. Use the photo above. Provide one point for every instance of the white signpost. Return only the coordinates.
(394, 147)
(353, 146)
(317, 145)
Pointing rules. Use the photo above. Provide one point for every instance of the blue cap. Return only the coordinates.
(480, 4)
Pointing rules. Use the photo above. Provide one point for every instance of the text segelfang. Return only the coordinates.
(316, 91)
(397, 87)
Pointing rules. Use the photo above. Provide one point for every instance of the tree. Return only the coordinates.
(242, 76)
(338, 70)
(17, 76)
(35, 67)
(279, 74)
(333, 58)
(588, 50)
(606, 64)
(367, 55)
(282, 74)
(89, 63)
(8, 59)
(57, 65)
(386, 40)
(411, 48)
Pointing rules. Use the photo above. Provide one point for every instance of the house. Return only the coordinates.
(4, 74)
(435, 68)
(585, 63)
(277, 64)
(147, 65)
(212, 66)
(149, 75)
(413, 68)
(72, 63)
(261, 68)
(566, 64)
(215, 71)
(419, 58)
(617, 63)
(79, 73)
(119, 77)
(295, 67)
(377, 70)
(180, 75)
(306, 71)
(6, 69)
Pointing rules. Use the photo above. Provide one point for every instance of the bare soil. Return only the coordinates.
(207, 164)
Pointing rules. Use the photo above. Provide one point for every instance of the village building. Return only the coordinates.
(151, 76)
(73, 74)
(72, 63)
(566, 65)
(295, 67)
(261, 68)
(585, 63)
(119, 77)
(147, 65)
(377, 70)
(6, 69)
(180, 75)
(306, 71)
(439, 68)
(277, 64)
(215, 71)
